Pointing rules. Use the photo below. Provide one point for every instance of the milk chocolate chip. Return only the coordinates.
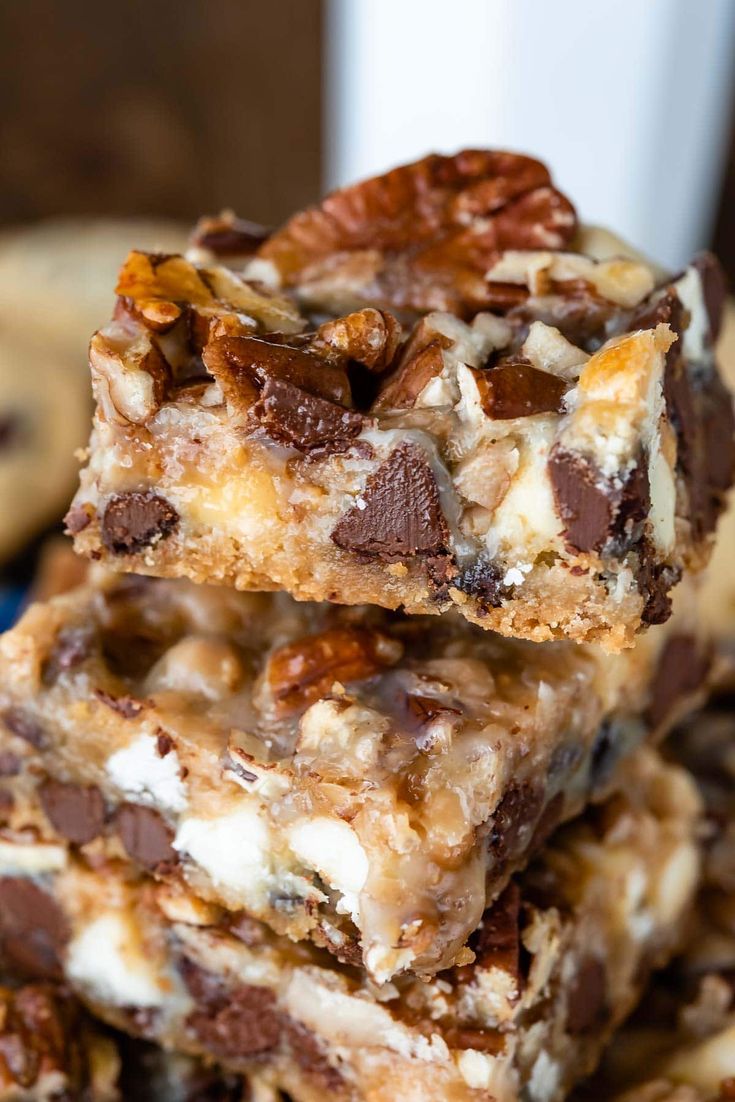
(587, 996)
(399, 513)
(76, 811)
(145, 836)
(134, 520)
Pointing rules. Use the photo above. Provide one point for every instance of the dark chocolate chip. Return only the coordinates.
(681, 672)
(294, 417)
(491, 1041)
(146, 837)
(76, 811)
(655, 581)
(583, 500)
(33, 929)
(587, 996)
(400, 513)
(484, 581)
(714, 289)
(663, 309)
(517, 389)
(126, 706)
(515, 819)
(134, 520)
(24, 726)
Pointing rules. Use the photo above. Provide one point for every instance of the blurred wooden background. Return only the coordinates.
(159, 107)
(173, 107)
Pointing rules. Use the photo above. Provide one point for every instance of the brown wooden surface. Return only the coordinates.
(171, 107)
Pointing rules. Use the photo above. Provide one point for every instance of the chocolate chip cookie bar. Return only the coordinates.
(366, 779)
(554, 965)
(680, 1046)
(433, 391)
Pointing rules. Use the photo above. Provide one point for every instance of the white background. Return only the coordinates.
(628, 101)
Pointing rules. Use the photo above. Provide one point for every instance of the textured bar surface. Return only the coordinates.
(536, 434)
(557, 962)
(362, 778)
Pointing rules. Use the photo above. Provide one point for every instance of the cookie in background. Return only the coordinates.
(55, 281)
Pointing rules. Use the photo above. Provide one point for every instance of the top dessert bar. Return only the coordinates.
(432, 390)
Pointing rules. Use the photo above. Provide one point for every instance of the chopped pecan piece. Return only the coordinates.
(369, 337)
(302, 672)
(422, 236)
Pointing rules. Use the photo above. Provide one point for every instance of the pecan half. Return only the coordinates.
(421, 237)
(303, 671)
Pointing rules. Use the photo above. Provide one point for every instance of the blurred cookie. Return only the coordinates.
(58, 274)
(44, 417)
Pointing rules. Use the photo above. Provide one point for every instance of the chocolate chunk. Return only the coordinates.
(24, 726)
(497, 941)
(587, 996)
(76, 811)
(517, 389)
(134, 520)
(714, 289)
(681, 671)
(33, 929)
(243, 365)
(146, 837)
(227, 235)
(583, 500)
(663, 309)
(399, 515)
(10, 764)
(514, 820)
(633, 505)
(126, 706)
(655, 580)
(78, 518)
(298, 419)
(484, 581)
(232, 1024)
(164, 743)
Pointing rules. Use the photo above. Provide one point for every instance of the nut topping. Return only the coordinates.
(301, 672)
(422, 236)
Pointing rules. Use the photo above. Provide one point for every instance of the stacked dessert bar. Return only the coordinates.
(339, 768)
